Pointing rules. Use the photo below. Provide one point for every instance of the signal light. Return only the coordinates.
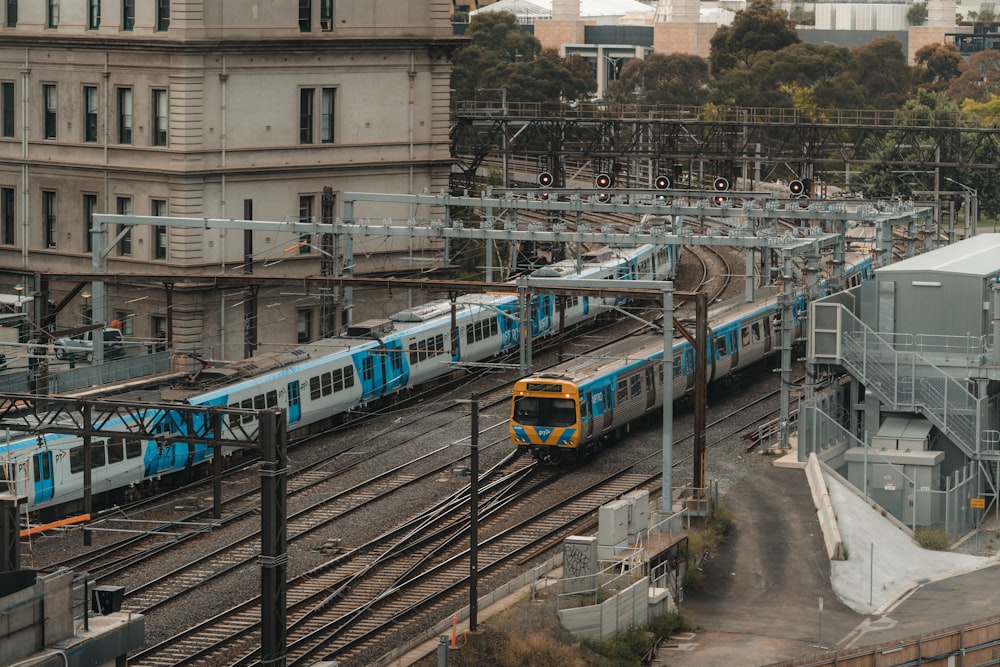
(603, 180)
(603, 196)
(545, 179)
(719, 200)
(720, 184)
(662, 183)
(797, 188)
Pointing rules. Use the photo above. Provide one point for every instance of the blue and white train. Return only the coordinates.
(316, 383)
(569, 412)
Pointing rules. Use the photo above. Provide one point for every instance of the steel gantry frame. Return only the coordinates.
(216, 427)
(729, 142)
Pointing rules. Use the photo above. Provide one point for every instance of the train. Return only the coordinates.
(569, 412)
(316, 383)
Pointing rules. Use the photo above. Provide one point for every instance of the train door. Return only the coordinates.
(294, 402)
(609, 410)
(585, 413)
(650, 387)
(395, 375)
(44, 482)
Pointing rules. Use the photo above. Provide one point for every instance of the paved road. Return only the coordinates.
(760, 601)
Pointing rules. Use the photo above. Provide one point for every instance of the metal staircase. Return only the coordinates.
(905, 380)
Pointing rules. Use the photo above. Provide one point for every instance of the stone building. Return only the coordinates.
(214, 109)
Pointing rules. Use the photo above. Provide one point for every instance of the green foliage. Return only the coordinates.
(979, 78)
(930, 537)
(501, 56)
(937, 65)
(754, 30)
(987, 16)
(917, 14)
(663, 79)
(628, 648)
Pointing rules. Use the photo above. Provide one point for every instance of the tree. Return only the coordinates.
(882, 73)
(800, 71)
(917, 14)
(979, 78)
(677, 78)
(758, 28)
(496, 41)
(503, 60)
(937, 66)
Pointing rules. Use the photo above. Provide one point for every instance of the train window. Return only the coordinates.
(271, 399)
(116, 451)
(755, 331)
(529, 410)
(133, 448)
(43, 466)
(607, 398)
(636, 383)
(745, 336)
(481, 330)
(258, 402)
(76, 460)
(622, 391)
(368, 369)
(678, 364)
(326, 384)
(585, 408)
(96, 456)
(720, 347)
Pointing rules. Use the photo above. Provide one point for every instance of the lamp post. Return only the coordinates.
(88, 314)
(971, 206)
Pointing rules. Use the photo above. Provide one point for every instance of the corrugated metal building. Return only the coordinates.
(919, 345)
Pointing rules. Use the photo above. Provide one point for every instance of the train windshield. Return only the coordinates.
(533, 411)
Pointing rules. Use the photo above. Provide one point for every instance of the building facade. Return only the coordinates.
(206, 108)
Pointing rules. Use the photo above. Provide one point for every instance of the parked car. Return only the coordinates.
(82, 345)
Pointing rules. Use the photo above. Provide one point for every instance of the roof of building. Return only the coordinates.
(588, 8)
(975, 256)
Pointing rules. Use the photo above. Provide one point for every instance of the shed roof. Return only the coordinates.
(974, 256)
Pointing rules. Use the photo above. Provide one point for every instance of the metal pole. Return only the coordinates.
(667, 500)
(474, 518)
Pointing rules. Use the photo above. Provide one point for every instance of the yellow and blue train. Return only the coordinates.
(570, 411)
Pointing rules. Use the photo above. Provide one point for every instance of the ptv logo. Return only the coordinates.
(544, 433)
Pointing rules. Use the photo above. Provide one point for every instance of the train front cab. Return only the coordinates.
(544, 418)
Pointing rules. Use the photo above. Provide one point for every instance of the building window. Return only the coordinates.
(305, 215)
(52, 14)
(7, 108)
(125, 242)
(305, 15)
(49, 100)
(11, 13)
(162, 15)
(89, 209)
(306, 115)
(159, 117)
(328, 101)
(326, 15)
(93, 14)
(128, 14)
(158, 207)
(305, 326)
(90, 113)
(124, 115)
(7, 215)
(49, 217)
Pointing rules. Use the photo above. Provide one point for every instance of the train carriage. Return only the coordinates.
(315, 383)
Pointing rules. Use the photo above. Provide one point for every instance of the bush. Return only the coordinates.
(930, 537)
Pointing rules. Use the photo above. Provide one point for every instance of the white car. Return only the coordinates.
(82, 345)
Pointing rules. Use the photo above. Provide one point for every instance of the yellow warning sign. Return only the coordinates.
(977, 503)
